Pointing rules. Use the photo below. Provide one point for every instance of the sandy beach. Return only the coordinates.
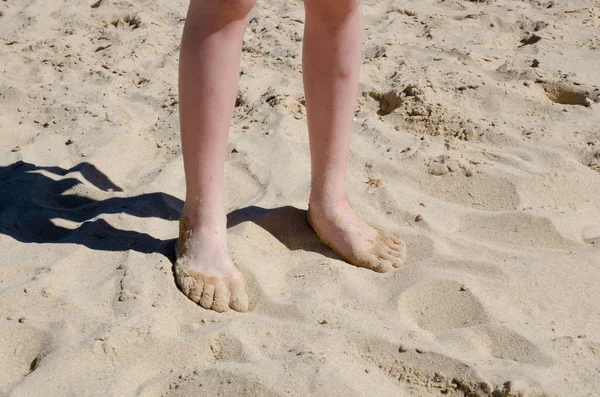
(476, 138)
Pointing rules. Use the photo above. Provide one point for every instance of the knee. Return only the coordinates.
(221, 10)
(331, 11)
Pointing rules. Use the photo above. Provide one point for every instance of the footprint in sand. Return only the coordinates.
(21, 349)
(207, 381)
(513, 229)
(445, 305)
(591, 234)
(227, 348)
(505, 344)
(424, 371)
(442, 305)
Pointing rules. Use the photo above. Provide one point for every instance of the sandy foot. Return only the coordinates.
(210, 279)
(355, 241)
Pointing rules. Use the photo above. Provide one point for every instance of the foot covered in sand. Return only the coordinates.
(354, 240)
(204, 269)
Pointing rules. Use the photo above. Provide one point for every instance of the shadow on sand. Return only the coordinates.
(30, 200)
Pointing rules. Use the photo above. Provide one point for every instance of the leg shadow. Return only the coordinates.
(287, 224)
(31, 201)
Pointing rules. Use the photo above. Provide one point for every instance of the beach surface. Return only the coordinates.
(476, 138)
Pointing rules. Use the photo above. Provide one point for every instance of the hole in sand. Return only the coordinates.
(529, 40)
(131, 21)
(388, 101)
(566, 94)
(595, 162)
(34, 364)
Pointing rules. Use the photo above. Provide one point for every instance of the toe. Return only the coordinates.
(397, 254)
(402, 251)
(186, 283)
(396, 239)
(388, 256)
(221, 298)
(382, 266)
(238, 300)
(398, 247)
(398, 262)
(394, 242)
(191, 287)
(196, 290)
(207, 295)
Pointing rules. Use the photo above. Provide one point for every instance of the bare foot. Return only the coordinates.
(205, 271)
(357, 242)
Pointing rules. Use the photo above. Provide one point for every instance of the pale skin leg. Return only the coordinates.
(208, 75)
(209, 69)
(331, 68)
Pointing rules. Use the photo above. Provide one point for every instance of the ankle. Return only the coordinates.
(328, 199)
(328, 208)
(204, 216)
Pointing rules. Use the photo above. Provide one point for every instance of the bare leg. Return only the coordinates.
(208, 76)
(331, 67)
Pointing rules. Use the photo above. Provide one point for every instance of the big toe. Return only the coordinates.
(388, 254)
(382, 265)
(375, 262)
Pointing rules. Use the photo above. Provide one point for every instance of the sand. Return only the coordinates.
(476, 138)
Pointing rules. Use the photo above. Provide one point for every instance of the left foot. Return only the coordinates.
(357, 243)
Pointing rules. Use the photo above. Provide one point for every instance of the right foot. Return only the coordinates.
(204, 270)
